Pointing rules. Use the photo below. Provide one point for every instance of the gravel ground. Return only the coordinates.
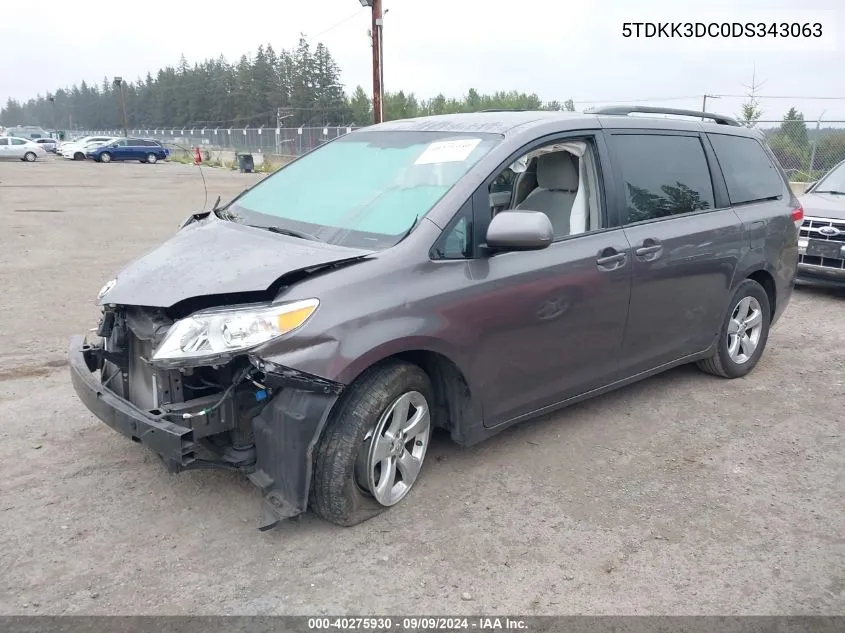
(682, 494)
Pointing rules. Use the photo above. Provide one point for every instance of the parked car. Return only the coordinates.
(76, 149)
(822, 241)
(464, 272)
(49, 144)
(28, 132)
(143, 150)
(12, 147)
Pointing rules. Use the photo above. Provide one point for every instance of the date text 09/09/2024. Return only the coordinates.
(722, 29)
(416, 624)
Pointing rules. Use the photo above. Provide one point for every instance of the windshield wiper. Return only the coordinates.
(291, 232)
(836, 193)
(410, 228)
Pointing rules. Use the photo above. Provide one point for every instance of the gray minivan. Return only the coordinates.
(463, 272)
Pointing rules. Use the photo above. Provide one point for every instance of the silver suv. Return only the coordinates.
(822, 241)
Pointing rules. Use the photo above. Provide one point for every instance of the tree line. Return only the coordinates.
(302, 85)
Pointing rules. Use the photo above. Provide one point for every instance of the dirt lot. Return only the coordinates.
(683, 494)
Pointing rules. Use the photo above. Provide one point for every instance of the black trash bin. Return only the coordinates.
(245, 163)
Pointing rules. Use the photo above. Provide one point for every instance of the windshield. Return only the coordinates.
(366, 189)
(834, 181)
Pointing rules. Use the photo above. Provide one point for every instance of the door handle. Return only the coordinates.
(650, 249)
(610, 259)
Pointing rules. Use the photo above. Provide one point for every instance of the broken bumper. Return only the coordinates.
(286, 430)
(172, 442)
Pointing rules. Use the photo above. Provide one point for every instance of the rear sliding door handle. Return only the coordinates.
(650, 249)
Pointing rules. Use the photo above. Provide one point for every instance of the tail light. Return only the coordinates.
(798, 216)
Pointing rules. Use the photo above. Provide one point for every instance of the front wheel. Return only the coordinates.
(29, 157)
(79, 156)
(744, 333)
(374, 445)
(105, 157)
(152, 159)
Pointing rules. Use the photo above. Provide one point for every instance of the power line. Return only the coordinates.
(784, 97)
(337, 24)
(635, 100)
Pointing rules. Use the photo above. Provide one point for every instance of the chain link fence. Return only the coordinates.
(806, 151)
(278, 141)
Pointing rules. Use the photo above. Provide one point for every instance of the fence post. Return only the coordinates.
(813, 150)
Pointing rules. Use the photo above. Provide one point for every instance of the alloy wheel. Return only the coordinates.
(393, 453)
(744, 329)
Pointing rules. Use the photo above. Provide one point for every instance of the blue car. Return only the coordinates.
(143, 150)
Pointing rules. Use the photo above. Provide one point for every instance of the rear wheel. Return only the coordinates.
(29, 157)
(105, 157)
(374, 445)
(744, 333)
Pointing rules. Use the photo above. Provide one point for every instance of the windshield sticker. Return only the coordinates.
(448, 151)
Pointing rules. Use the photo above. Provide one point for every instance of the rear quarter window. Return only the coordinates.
(749, 172)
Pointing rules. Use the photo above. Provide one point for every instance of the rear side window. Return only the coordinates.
(18, 141)
(749, 172)
(663, 175)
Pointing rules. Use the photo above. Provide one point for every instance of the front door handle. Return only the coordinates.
(650, 250)
(610, 259)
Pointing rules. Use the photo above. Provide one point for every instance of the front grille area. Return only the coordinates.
(815, 229)
(811, 226)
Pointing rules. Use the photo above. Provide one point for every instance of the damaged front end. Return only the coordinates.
(234, 411)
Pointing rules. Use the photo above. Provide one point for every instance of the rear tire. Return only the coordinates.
(29, 157)
(744, 333)
(105, 157)
(346, 485)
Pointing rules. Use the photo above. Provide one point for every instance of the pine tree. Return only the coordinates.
(361, 107)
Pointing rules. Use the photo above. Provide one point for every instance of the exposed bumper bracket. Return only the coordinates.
(172, 442)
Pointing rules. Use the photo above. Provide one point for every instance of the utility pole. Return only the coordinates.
(118, 83)
(378, 73)
(704, 102)
(378, 89)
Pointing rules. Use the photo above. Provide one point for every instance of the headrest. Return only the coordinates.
(557, 170)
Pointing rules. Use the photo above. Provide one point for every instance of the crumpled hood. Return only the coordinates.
(215, 257)
(823, 205)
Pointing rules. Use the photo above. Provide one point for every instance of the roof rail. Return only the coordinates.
(622, 110)
(505, 110)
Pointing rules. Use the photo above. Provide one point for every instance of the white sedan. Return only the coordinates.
(75, 150)
(12, 147)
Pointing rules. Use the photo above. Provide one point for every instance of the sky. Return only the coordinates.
(555, 48)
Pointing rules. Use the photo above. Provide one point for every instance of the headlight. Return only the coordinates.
(214, 333)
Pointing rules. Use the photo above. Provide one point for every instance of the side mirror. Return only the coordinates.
(519, 231)
(809, 186)
(114, 145)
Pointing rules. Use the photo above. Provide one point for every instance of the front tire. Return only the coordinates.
(79, 156)
(29, 157)
(744, 333)
(105, 157)
(152, 159)
(374, 444)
